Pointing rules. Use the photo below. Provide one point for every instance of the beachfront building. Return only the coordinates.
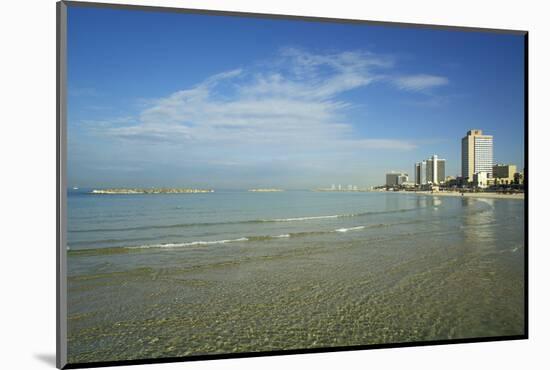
(430, 171)
(480, 179)
(452, 181)
(518, 178)
(504, 174)
(396, 178)
(477, 154)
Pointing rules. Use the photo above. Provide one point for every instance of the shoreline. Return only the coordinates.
(517, 196)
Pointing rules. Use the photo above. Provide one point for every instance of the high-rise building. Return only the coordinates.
(420, 173)
(430, 171)
(477, 154)
(440, 171)
(396, 178)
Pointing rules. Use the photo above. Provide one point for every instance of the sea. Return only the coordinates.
(171, 275)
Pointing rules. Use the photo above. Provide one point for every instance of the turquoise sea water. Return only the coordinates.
(236, 271)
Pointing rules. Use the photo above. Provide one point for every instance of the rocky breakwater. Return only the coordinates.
(150, 191)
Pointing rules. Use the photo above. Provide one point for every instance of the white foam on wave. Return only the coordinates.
(244, 239)
(189, 244)
(305, 218)
(345, 230)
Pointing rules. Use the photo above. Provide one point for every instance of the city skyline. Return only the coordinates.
(292, 104)
(478, 168)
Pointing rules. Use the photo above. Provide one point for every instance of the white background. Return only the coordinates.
(27, 185)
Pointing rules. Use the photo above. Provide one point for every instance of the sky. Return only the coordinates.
(184, 100)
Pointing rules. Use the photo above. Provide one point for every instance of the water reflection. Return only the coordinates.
(436, 202)
(479, 223)
(421, 202)
(393, 201)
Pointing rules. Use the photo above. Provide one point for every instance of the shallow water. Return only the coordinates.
(181, 275)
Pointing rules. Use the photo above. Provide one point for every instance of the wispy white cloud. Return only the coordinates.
(295, 103)
(420, 82)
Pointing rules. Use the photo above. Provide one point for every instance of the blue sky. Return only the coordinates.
(163, 99)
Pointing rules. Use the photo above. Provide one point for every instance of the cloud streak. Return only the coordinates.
(295, 102)
(420, 82)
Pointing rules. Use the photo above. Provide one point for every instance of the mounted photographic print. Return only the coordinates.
(235, 184)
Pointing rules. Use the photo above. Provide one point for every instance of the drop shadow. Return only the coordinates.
(47, 358)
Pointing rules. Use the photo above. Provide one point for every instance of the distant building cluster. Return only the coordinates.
(505, 174)
(394, 178)
(477, 169)
(339, 187)
(429, 171)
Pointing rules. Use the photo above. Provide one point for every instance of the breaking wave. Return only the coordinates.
(255, 238)
(345, 230)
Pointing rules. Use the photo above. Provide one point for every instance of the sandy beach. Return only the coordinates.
(518, 196)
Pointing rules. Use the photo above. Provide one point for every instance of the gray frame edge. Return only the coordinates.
(61, 184)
